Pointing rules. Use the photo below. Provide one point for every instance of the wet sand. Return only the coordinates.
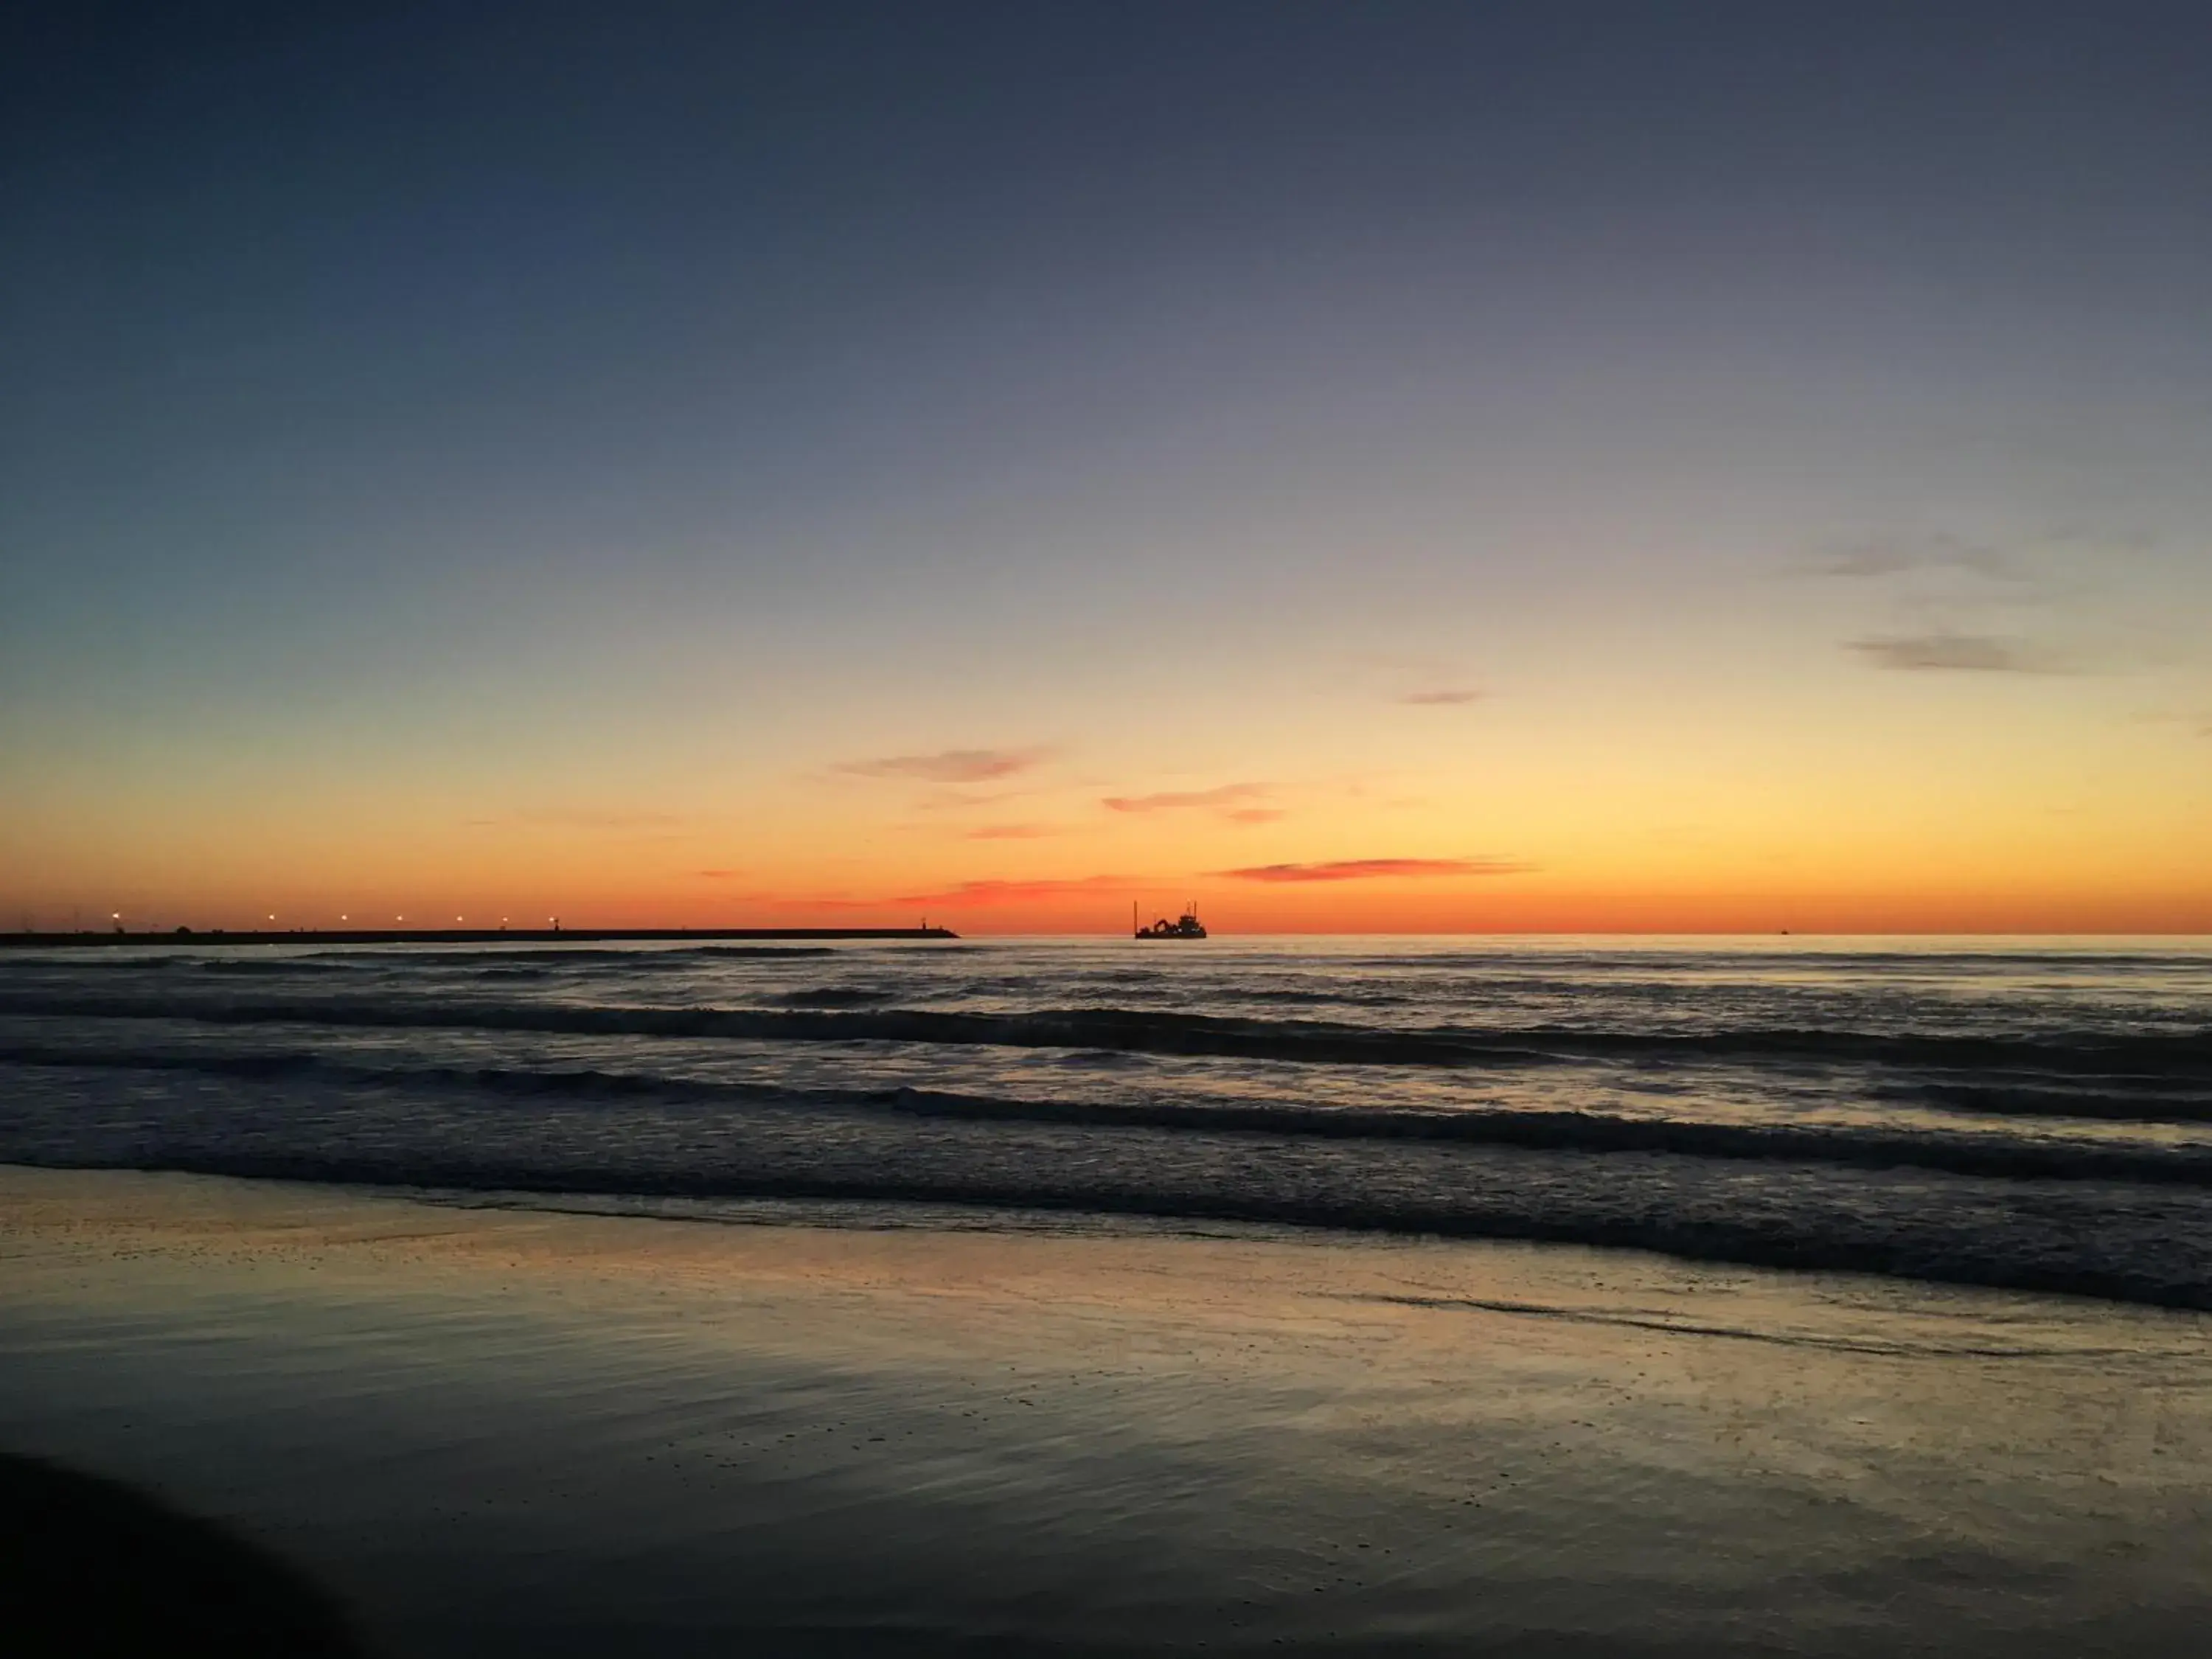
(509, 1432)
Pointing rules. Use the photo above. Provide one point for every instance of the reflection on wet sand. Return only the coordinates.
(496, 1430)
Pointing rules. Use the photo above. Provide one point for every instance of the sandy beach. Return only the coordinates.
(495, 1431)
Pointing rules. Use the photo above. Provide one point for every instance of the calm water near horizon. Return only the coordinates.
(2032, 1113)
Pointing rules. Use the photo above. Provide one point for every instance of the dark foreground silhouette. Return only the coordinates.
(90, 1566)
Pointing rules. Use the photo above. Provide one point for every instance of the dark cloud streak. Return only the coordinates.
(1947, 652)
(1869, 560)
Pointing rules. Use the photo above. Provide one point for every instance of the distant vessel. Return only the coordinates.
(1187, 925)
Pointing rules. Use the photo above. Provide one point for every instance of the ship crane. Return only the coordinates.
(1188, 926)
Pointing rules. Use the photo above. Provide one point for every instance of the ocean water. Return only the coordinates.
(2029, 1115)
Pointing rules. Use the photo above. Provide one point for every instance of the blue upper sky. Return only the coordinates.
(579, 396)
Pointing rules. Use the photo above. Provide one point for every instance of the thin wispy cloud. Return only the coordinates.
(1948, 653)
(950, 765)
(580, 817)
(980, 893)
(949, 798)
(1014, 832)
(1186, 799)
(1021, 892)
(1442, 697)
(1228, 797)
(1377, 870)
(720, 875)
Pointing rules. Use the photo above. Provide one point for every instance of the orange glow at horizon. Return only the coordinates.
(1820, 795)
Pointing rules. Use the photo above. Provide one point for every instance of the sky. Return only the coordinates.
(1376, 467)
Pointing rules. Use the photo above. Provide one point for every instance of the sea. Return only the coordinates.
(2027, 1114)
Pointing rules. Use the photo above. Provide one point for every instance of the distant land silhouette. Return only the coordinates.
(454, 935)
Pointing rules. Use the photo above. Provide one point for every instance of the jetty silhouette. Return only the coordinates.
(456, 935)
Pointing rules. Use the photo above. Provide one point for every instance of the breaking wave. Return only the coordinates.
(2146, 1055)
(1987, 1156)
(2023, 1118)
(1843, 1235)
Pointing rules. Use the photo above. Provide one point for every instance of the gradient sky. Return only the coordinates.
(1365, 466)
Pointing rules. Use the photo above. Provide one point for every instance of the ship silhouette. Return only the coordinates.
(1188, 926)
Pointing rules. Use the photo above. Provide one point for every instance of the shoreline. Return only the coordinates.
(520, 1431)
